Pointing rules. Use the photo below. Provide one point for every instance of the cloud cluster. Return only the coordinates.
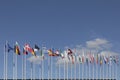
(98, 44)
(35, 60)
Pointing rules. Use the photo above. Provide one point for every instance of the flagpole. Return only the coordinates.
(103, 68)
(116, 71)
(16, 67)
(89, 70)
(51, 67)
(13, 66)
(4, 61)
(79, 71)
(67, 70)
(75, 71)
(59, 72)
(31, 69)
(64, 69)
(40, 71)
(48, 66)
(43, 63)
(25, 67)
(93, 66)
(71, 71)
(22, 67)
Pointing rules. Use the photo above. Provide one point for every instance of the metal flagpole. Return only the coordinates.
(16, 67)
(13, 66)
(79, 71)
(43, 71)
(25, 67)
(59, 72)
(22, 67)
(71, 71)
(116, 71)
(40, 71)
(31, 69)
(4, 61)
(67, 70)
(103, 69)
(89, 69)
(48, 66)
(93, 65)
(75, 71)
(64, 69)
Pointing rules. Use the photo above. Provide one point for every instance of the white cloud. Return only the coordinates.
(98, 44)
(35, 60)
(109, 53)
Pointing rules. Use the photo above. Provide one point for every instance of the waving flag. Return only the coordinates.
(8, 48)
(36, 48)
(97, 59)
(106, 60)
(16, 49)
(70, 53)
(51, 53)
(29, 49)
(101, 61)
(25, 52)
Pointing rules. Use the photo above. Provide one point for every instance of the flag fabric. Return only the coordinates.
(61, 54)
(106, 60)
(8, 48)
(101, 62)
(80, 59)
(97, 59)
(70, 53)
(29, 49)
(87, 60)
(36, 48)
(25, 52)
(17, 49)
(41, 53)
(110, 60)
(83, 58)
(52, 53)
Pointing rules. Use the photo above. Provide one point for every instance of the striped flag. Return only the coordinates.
(17, 49)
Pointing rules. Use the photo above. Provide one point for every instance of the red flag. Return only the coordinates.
(29, 49)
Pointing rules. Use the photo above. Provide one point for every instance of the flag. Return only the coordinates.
(41, 53)
(16, 49)
(61, 54)
(110, 60)
(101, 60)
(106, 60)
(80, 59)
(97, 59)
(116, 59)
(50, 52)
(70, 51)
(25, 52)
(83, 58)
(87, 60)
(29, 49)
(8, 48)
(36, 48)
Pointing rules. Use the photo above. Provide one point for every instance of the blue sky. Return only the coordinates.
(58, 23)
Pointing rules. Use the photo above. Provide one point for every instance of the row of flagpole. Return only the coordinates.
(24, 75)
(110, 70)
